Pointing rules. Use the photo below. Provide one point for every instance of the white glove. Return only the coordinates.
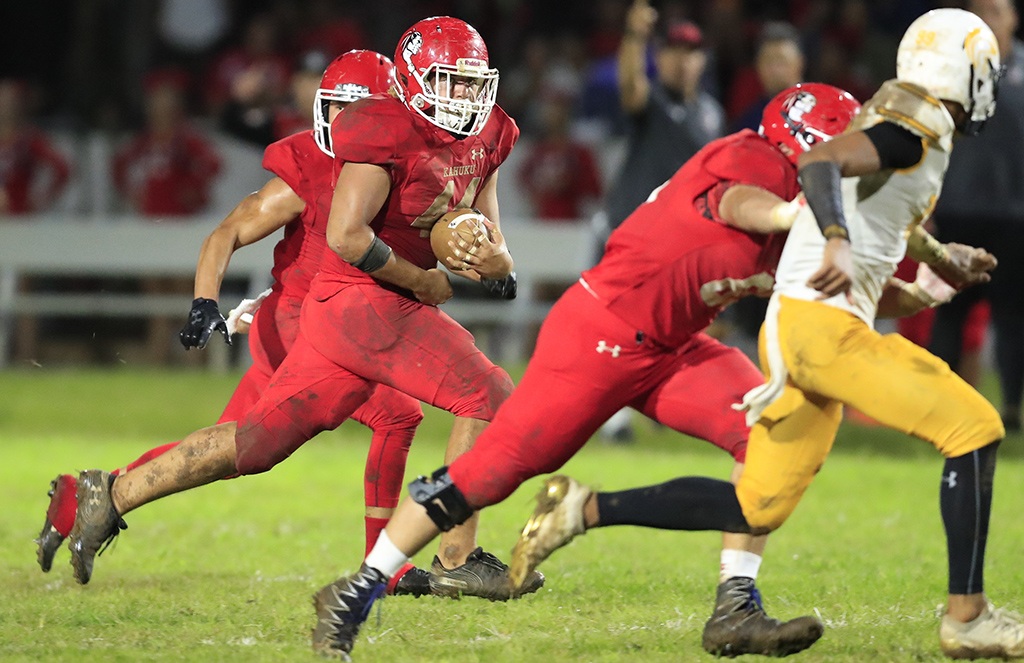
(240, 317)
(930, 288)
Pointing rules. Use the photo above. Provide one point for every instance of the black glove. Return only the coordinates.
(501, 288)
(203, 320)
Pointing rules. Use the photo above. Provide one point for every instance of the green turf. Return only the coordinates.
(225, 572)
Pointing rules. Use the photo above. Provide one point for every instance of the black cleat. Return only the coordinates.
(97, 522)
(483, 575)
(341, 608)
(415, 583)
(739, 625)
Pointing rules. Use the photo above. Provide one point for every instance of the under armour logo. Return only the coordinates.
(477, 153)
(951, 479)
(614, 349)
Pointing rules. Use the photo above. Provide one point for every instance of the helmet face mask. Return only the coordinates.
(349, 77)
(954, 56)
(444, 75)
(800, 117)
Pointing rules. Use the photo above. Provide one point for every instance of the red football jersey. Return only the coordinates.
(432, 172)
(299, 162)
(657, 262)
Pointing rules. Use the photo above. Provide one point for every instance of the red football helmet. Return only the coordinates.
(349, 77)
(806, 114)
(444, 76)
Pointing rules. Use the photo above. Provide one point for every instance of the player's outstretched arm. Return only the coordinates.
(256, 216)
(756, 210)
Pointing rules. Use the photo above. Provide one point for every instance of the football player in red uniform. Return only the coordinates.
(298, 199)
(630, 333)
(401, 163)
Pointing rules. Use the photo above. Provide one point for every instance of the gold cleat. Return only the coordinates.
(557, 519)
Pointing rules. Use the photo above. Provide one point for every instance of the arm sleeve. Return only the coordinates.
(897, 147)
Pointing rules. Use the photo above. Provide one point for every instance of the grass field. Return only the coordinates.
(225, 573)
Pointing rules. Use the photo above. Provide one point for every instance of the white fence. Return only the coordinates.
(133, 247)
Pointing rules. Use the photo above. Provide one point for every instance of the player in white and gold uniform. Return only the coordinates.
(836, 274)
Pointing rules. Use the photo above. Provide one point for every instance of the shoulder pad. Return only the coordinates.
(911, 107)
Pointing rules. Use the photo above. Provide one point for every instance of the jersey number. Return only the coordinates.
(441, 203)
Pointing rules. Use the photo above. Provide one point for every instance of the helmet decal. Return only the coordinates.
(800, 117)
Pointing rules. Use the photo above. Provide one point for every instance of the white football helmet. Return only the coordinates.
(953, 55)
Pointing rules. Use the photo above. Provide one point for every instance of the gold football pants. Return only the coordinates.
(834, 358)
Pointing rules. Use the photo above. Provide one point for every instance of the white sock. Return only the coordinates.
(385, 556)
(739, 563)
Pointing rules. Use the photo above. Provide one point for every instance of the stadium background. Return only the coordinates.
(81, 73)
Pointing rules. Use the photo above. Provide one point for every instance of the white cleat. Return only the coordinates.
(995, 633)
(557, 519)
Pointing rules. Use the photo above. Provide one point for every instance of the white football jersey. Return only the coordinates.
(880, 208)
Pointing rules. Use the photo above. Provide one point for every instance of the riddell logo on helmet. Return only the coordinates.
(469, 64)
(352, 89)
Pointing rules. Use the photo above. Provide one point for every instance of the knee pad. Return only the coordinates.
(442, 499)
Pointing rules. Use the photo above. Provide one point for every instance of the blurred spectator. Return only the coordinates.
(560, 174)
(166, 169)
(256, 74)
(670, 117)
(982, 204)
(603, 38)
(298, 114)
(550, 68)
(329, 30)
(263, 128)
(778, 64)
(32, 172)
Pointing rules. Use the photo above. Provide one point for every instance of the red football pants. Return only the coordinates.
(351, 339)
(588, 364)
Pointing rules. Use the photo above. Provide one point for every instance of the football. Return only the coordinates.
(457, 223)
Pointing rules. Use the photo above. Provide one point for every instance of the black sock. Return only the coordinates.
(965, 498)
(687, 503)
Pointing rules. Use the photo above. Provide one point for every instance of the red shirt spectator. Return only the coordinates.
(560, 174)
(257, 66)
(25, 155)
(167, 168)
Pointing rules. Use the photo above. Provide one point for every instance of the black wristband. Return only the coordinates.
(376, 256)
(822, 185)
